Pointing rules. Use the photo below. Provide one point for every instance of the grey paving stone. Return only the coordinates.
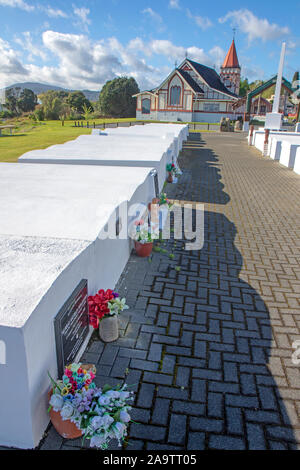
(188, 408)
(120, 367)
(145, 396)
(155, 352)
(162, 379)
(148, 432)
(226, 443)
(196, 441)
(161, 411)
(255, 436)
(177, 429)
(206, 424)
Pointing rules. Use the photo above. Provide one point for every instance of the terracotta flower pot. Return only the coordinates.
(143, 249)
(66, 428)
(170, 177)
(109, 329)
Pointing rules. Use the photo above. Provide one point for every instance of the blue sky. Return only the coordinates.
(82, 44)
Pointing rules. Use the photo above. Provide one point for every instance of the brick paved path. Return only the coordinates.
(208, 348)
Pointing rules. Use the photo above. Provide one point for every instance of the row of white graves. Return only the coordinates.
(281, 146)
(273, 140)
(63, 236)
(152, 145)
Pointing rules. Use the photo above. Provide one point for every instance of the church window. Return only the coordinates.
(211, 107)
(175, 95)
(146, 106)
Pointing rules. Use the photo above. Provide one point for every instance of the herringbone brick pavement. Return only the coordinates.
(208, 347)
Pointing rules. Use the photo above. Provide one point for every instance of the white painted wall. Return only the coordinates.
(288, 154)
(297, 162)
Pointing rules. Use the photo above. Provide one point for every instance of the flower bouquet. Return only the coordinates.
(173, 173)
(169, 168)
(89, 411)
(164, 201)
(143, 239)
(104, 308)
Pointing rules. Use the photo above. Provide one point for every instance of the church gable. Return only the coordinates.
(175, 93)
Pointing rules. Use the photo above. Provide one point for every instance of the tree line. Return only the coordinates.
(115, 100)
(246, 87)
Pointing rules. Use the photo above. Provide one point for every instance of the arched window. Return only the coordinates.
(146, 106)
(175, 96)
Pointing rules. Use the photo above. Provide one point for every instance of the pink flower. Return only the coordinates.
(139, 222)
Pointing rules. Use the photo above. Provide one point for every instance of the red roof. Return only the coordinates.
(231, 60)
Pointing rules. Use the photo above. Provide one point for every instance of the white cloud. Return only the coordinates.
(218, 55)
(174, 4)
(171, 51)
(27, 43)
(82, 17)
(254, 27)
(202, 21)
(155, 17)
(11, 68)
(54, 13)
(17, 4)
(82, 63)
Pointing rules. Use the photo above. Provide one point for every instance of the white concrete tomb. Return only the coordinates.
(51, 217)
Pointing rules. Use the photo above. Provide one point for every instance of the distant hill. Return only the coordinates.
(38, 88)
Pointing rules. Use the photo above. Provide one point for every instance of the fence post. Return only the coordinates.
(94, 125)
(251, 134)
(265, 151)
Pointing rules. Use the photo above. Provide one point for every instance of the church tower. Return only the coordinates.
(231, 71)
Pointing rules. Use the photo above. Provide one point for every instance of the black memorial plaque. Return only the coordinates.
(71, 326)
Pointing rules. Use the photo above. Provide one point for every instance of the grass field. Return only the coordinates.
(29, 135)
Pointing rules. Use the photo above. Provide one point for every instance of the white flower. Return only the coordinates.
(125, 417)
(66, 411)
(107, 420)
(119, 430)
(98, 440)
(104, 400)
(97, 422)
(124, 395)
(56, 401)
(113, 394)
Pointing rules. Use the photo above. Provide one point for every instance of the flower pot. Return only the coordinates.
(143, 249)
(66, 428)
(170, 177)
(109, 328)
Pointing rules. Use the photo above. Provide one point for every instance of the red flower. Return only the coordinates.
(98, 307)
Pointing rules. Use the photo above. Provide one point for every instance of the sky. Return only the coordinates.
(81, 44)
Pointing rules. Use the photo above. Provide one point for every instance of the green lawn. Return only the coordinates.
(30, 136)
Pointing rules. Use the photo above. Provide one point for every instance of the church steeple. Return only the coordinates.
(231, 70)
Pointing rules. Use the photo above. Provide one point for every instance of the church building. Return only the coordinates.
(194, 93)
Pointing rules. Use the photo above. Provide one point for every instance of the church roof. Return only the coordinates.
(231, 60)
(194, 85)
(211, 77)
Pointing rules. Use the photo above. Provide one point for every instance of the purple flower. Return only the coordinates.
(115, 294)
